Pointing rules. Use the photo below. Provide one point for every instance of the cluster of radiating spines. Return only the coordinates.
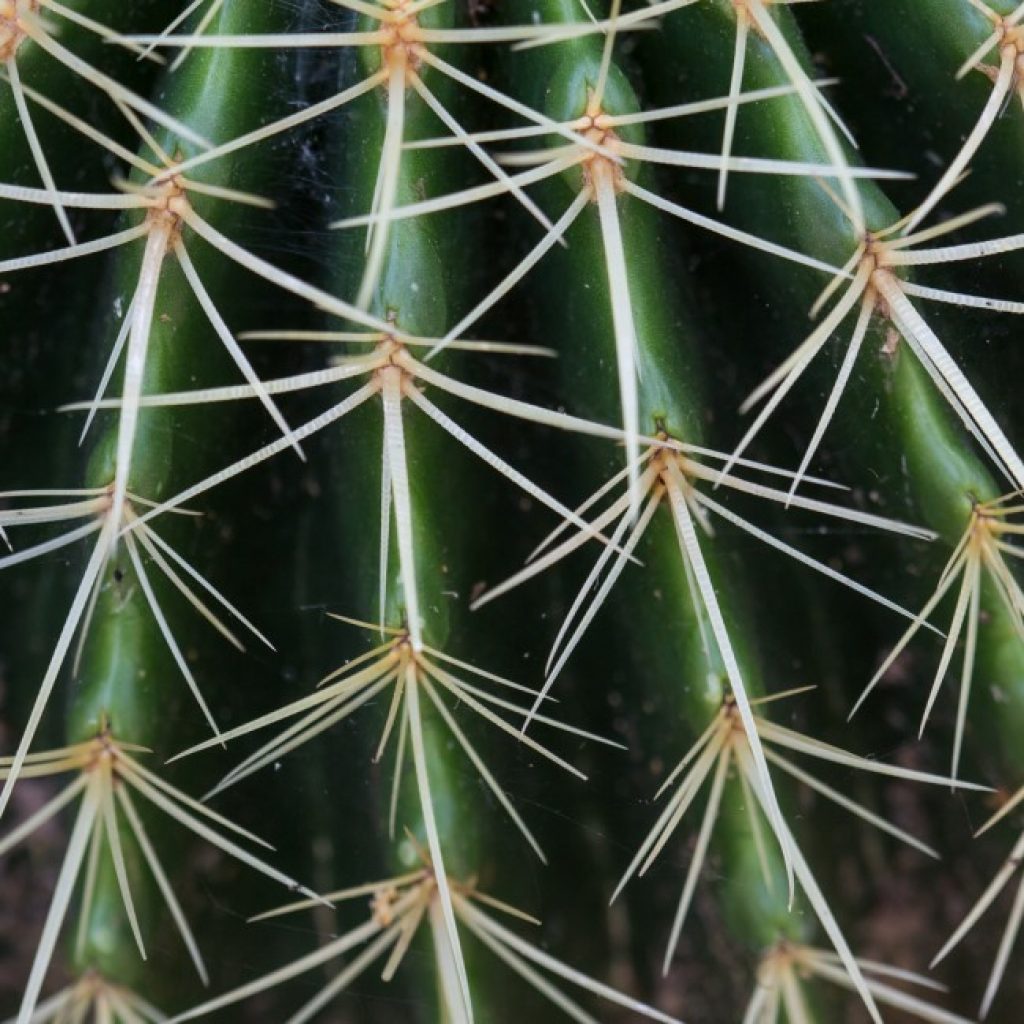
(870, 284)
(399, 908)
(92, 509)
(788, 967)
(94, 999)
(410, 677)
(873, 281)
(106, 778)
(38, 22)
(392, 374)
(980, 561)
(590, 143)
(680, 479)
(721, 754)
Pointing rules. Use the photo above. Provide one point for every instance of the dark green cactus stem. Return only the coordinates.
(126, 697)
(916, 437)
(665, 344)
(247, 229)
(677, 675)
(614, 230)
(127, 671)
(49, 89)
(680, 674)
(445, 811)
(425, 560)
(951, 70)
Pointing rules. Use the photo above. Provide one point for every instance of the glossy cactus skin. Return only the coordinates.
(475, 543)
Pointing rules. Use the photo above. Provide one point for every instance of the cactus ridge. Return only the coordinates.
(555, 243)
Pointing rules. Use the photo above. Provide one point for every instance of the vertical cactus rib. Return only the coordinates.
(112, 851)
(408, 662)
(167, 211)
(946, 481)
(668, 480)
(475, 265)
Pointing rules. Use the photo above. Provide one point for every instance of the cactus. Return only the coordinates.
(424, 491)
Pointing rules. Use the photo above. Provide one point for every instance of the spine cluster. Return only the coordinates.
(542, 451)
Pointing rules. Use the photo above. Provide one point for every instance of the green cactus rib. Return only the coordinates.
(687, 663)
(128, 645)
(693, 675)
(586, 85)
(917, 439)
(430, 174)
(56, 99)
(172, 217)
(922, 438)
(969, 54)
(420, 558)
(979, 44)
